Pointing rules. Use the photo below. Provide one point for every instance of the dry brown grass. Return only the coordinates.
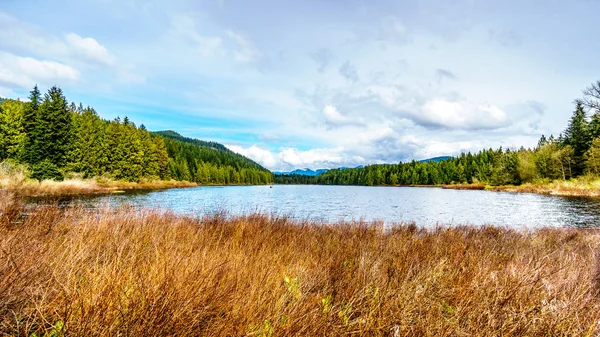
(576, 187)
(76, 186)
(150, 273)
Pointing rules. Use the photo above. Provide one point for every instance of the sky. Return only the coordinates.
(313, 84)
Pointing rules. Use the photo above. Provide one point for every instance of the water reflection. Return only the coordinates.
(425, 206)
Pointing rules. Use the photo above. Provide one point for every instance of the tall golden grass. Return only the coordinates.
(17, 182)
(126, 272)
(583, 186)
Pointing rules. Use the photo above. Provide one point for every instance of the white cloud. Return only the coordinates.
(90, 49)
(20, 36)
(24, 72)
(261, 156)
(23, 37)
(290, 158)
(463, 115)
(184, 27)
(332, 115)
(244, 51)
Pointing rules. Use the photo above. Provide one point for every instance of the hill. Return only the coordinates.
(209, 162)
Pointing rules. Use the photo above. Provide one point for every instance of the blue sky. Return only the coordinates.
(317, 84)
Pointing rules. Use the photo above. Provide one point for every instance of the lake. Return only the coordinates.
(424, 206)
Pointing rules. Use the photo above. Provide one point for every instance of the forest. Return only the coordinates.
(54, 139)
(575, 152)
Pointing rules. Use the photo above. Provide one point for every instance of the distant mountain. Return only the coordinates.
(304, 172)
(435, 159)
(310, 173)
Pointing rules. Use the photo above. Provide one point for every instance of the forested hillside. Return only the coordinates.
(210, 162)
(54, 138)
(575, 152)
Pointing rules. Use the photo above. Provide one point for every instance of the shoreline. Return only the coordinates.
(88, 187)
(574, 188)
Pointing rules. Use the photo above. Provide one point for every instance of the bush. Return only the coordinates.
(46, 170)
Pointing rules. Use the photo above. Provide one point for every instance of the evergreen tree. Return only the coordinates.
(543, 141)
(577, 136)
(52, 133)
(595, 126)
(30, 117)
(89, 153)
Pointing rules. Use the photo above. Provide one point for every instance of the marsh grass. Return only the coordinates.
(127, 272)
(17, 182)
(582, 186)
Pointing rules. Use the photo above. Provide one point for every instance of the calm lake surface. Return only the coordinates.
(424, 206)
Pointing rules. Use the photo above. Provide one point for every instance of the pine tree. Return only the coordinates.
(30, 117)
(595, 125)
(89, 153)
(52, 133)
(577, 135)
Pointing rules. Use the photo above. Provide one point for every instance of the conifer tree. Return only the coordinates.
(52, 133)
(577, 136)
(30, 117)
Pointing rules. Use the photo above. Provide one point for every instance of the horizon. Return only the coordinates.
(335, 85)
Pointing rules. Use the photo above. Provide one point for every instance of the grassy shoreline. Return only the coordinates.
(575, 187)
(129, 272)
(81, 187)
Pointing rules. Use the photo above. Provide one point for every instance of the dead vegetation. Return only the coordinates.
(108, 272)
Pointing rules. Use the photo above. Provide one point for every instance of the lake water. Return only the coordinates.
(424, 206)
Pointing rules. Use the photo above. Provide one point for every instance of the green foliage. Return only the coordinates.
(50, 135)
(210, 163)
(58, 330)
(266, 330)
(493, 167)
(46, 169)
(577, 135)
(592, 157)
(54, 136)
(12, 134)
(30, 117)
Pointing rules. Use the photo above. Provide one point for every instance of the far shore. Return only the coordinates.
(95, 186)
(574, 188)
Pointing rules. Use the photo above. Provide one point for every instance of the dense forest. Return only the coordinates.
(54, 138)
(575, 152)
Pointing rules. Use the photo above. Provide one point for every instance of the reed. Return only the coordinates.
(19, 184)
(583, 186)
(130, 272)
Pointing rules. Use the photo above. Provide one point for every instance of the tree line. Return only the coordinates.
(575, 152)
(54, 138)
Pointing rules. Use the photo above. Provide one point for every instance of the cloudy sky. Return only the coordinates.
(310, 83)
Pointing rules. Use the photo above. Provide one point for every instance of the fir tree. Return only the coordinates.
(52, 134)
(30, 118)
(577, 135)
